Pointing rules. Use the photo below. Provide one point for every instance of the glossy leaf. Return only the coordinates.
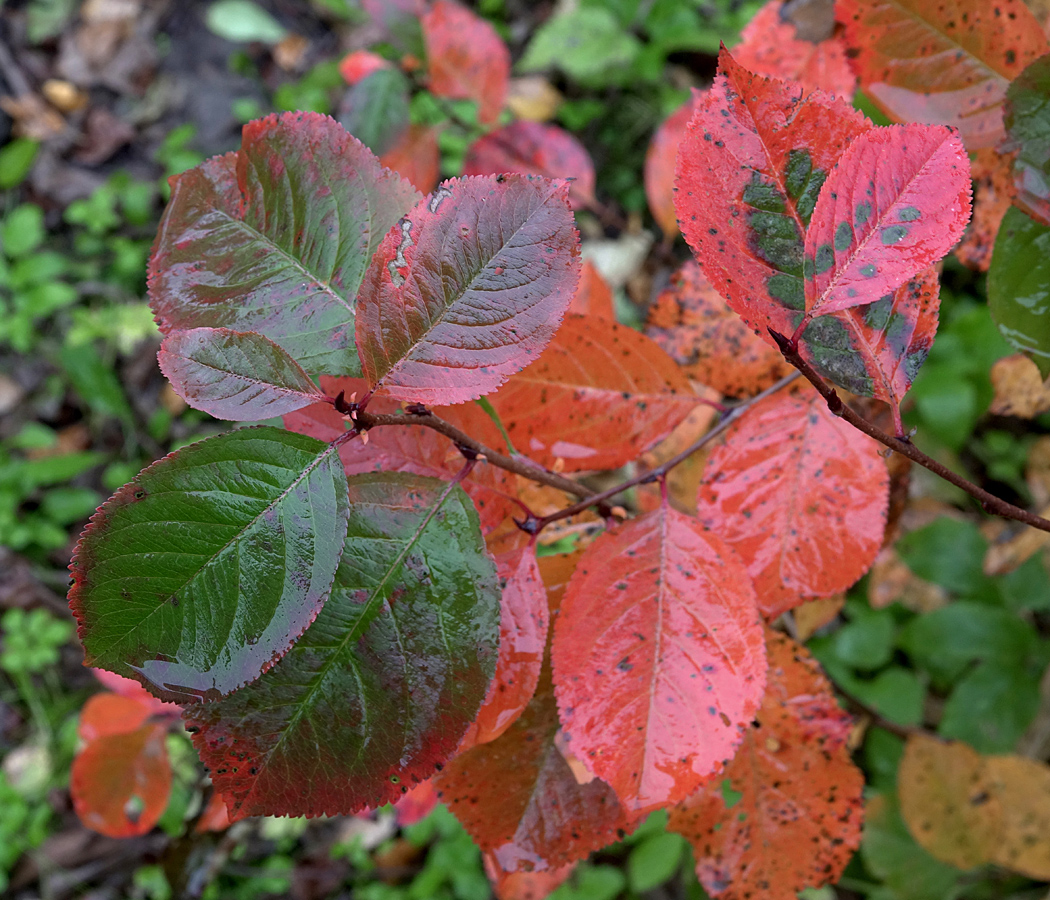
(1019, 286)
(120, 783)
(897, 200)
(786, 813)
(946, 63)
(522, 644)
(466, 58)
(375, 697)
(235, 374)
(599, 395)
(418, 450)
(658, 655)
(416, 157)
(198, 574)
(770, 46)
(800, 495)
(534, 148)
(275, 237)
(1026, 118)
(593, 295)
(692, 322)
(520, 801)
(468, 289)
(660, 166)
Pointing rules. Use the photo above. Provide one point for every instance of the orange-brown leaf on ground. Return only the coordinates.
(770, 46)
(214, 816)
(524, 885)
(518, 797)
(593, 296)
(120, 783)
(658, 656)
(415, 156)
(522, 644)
(1023, 788)
(786, 812)
(692, 322)
(466, 58)
(659, 166)
(947, 63)
(556, 571)
(800, 495)
(600, 394)
(993, 191)
(948, 801)
(1019, 388)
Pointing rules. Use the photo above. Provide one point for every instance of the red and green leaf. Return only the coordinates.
(236, 375)
(945, 63)
(520, 801)
(1026, 118)
(660, 166)
(201, 572)
(379, 691)
(524, 619)
(791, 786)
(600, 394)
(466, 58)
(897, 201)
(658, 655)
(770, 46)
(275, 238)
(534, 148)
(467, 289)
(800, 495)
(711, 343)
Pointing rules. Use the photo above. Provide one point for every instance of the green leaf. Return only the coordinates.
(654, 861)
(95, 381)
(16, 159)
(375, 110)
(947, 552)
(584, 43)
(243, 21)
(1019, 285)
(1026, 117)
(198, 574)
(992, 706)
(1026, 587)
(22, 230)
(895, 692)
(866, 643)
(375, 697)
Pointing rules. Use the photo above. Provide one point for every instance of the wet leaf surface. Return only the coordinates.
(1026, 117)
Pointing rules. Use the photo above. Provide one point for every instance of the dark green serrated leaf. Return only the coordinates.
(376, 695)
(1026, 117)
(375, 110)
(197, 575)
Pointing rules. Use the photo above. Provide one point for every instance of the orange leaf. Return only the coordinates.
(108, 714)
(593, 295)
(794, 819)
(692, 322)
(417, 804)
(120, 783)
(658, 657)
(800, 495)
(214, 817)
(415, 156)
(993, 180)
(466, 59)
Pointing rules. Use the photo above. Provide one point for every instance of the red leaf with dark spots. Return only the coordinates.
(800, 495)
(519, 800)
(770, 46)
(714, 346)
(599, 395)
(897, 200)
(466, 58)
(791, 786)
(658, 655)
(660, 166)
(534, 148)
(947, 63)
(467, 289)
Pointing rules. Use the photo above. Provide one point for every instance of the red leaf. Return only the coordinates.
(533, 148)
(797, 820)
(120, 782)
(519, 800)
(236, 375)
(524, 885)
(897, 200)
(522, 643)
(224, 259)
(415, 156)
(660, 165)
(659, 662)
(466, 58)
(947, 63)
(468, 289)
(126, 687)
(214, 817)
(593, 295)
(769, 45)
(107, 714)
(357, 66)
(599, 395)
(754, 158)
(417, 804)
(692, 322)
(800, 495)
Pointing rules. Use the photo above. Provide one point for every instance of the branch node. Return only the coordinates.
(417, 409)
(530, 524)
(469, 452)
